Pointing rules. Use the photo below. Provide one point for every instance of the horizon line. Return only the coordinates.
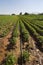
(20, 12)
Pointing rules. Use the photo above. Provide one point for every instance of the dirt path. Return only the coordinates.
(36, 52)
(3, 46)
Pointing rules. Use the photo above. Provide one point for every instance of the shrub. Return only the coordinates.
(13, 40)
(26, 55)
(10, 60)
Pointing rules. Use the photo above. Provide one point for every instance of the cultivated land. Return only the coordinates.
(21, 39)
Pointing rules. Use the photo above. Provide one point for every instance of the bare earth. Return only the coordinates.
(36, 56)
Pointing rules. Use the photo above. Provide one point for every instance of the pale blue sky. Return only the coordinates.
(17, 6)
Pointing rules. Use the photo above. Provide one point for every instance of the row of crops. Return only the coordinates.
(18, 31)
(15, 33)
(26, 24)
(6, 24)
(24, 32)
(35, 29)
(23, 27)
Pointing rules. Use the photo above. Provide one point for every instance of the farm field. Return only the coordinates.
(21, 39)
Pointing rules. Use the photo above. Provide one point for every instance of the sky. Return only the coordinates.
(17, 6)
